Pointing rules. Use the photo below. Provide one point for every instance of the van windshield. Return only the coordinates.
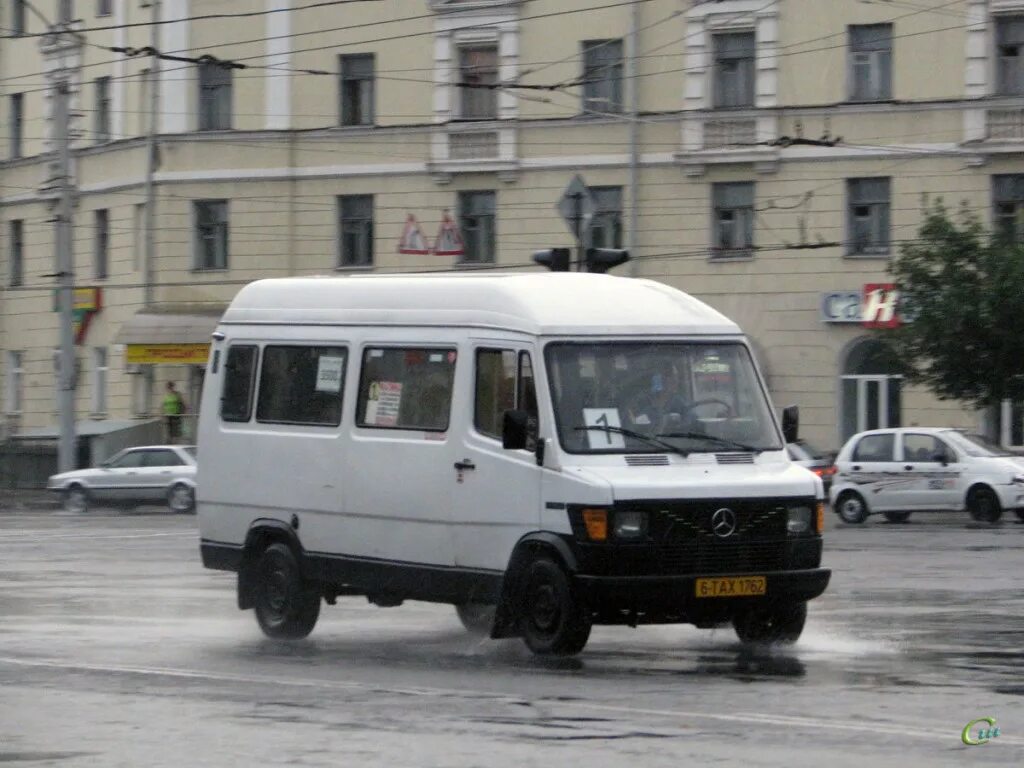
(643, 397)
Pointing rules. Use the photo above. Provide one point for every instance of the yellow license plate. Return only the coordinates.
(735, 586)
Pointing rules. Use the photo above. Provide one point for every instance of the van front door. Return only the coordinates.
(496, 494)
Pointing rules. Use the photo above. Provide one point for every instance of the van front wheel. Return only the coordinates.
(771, 625)
(551, 620)
(286, 606)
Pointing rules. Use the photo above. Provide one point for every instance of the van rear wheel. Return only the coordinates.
(287, 607)
(552, 620)
(477, 618)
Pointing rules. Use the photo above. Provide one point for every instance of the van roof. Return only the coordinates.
(541, 303)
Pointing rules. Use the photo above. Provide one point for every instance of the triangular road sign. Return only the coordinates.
(449, 241)
(413, 240)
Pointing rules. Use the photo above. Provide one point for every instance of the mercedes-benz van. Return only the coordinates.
(544, 451)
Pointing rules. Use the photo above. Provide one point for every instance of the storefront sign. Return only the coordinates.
(877, 305)
(174, 354)
(85, 303)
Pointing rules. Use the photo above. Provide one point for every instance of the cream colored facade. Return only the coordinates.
(942, 124)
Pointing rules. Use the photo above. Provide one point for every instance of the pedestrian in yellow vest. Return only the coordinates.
(173, 408)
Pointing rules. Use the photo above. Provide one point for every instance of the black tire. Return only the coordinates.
(851, 508)
(286, 606)
(897, 517)
(1020, 515)
(181, 498)
(477, 618)
(552, 621)
(983, 504)
(771, 625)
(75, 498)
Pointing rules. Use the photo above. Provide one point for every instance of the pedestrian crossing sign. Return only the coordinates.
(413, 241)
(449, 241)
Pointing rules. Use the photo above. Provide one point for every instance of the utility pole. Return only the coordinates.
(66, 280)
(153, 159)
(61, 50)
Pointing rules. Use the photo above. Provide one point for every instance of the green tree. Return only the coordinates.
(963, 288)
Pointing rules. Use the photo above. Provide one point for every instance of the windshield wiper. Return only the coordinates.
(636, 436)
(721, 440)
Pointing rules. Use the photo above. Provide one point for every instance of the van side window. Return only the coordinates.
(504, 381)
(302, 385)
(239, 378)
(495, 389)
(406, 388)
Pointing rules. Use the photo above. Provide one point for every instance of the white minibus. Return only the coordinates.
(544, 451)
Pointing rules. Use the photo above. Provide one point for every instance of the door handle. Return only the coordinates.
(856, 467)
(464, 465)
(909, 466)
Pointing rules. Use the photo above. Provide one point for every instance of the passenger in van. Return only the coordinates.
(662, 405)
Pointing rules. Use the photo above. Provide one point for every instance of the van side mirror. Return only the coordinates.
(791, 423)
(515, 430)
(941, 457)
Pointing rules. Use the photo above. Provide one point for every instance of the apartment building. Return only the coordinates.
(767, 156)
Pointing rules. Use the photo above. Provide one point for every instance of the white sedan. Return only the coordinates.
(899, 471)
(143, 475)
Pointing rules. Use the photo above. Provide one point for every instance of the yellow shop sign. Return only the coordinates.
(178, 354)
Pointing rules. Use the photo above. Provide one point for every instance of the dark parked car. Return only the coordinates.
(816, 460)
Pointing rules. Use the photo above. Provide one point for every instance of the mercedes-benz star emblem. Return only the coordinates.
(723, 523)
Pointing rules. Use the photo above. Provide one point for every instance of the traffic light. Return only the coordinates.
(555, 259)
(600, 260)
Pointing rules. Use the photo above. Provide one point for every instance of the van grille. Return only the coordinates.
(705, 556)
(735, 458)
(688, 521)
(647, 460)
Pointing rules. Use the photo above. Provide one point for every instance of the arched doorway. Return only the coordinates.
(870, 394)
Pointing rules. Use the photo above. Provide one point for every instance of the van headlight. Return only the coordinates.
(630, 525)
(799, 519)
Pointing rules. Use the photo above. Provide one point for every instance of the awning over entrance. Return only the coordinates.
(175, 335)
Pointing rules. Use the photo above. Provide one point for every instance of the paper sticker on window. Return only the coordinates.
(383, 402)
(599, 420)
(376, 353)
(437, 358)
(329, 372)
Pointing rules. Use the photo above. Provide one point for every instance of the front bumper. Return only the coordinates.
(1010, 496)
(670, 599)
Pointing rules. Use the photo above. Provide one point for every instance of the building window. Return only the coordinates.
(606, 226)
(734, 69)
(211, 229)
(871, 62)
(15, 373)
(871, 389)
(355, 227)
(476, 220)
(16, 120)
(142, 390)
(18, 17)
(214, 97)
(602, 76)
(16, 258)
(104, 7)
(102, 243)
(733, 219)
(406, 388)
(478, 73)
(869, 216)
(65, 10)
(99, 382)
(357, 80)
(102, 126)
(1008, 195)
(1009, 55)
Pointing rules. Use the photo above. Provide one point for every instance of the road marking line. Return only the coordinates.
(889, 727)
(41, 538)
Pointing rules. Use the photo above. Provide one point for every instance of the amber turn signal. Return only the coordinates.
(596, 521)
(819, 517)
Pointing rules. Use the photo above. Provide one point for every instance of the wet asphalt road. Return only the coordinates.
(118, 649)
